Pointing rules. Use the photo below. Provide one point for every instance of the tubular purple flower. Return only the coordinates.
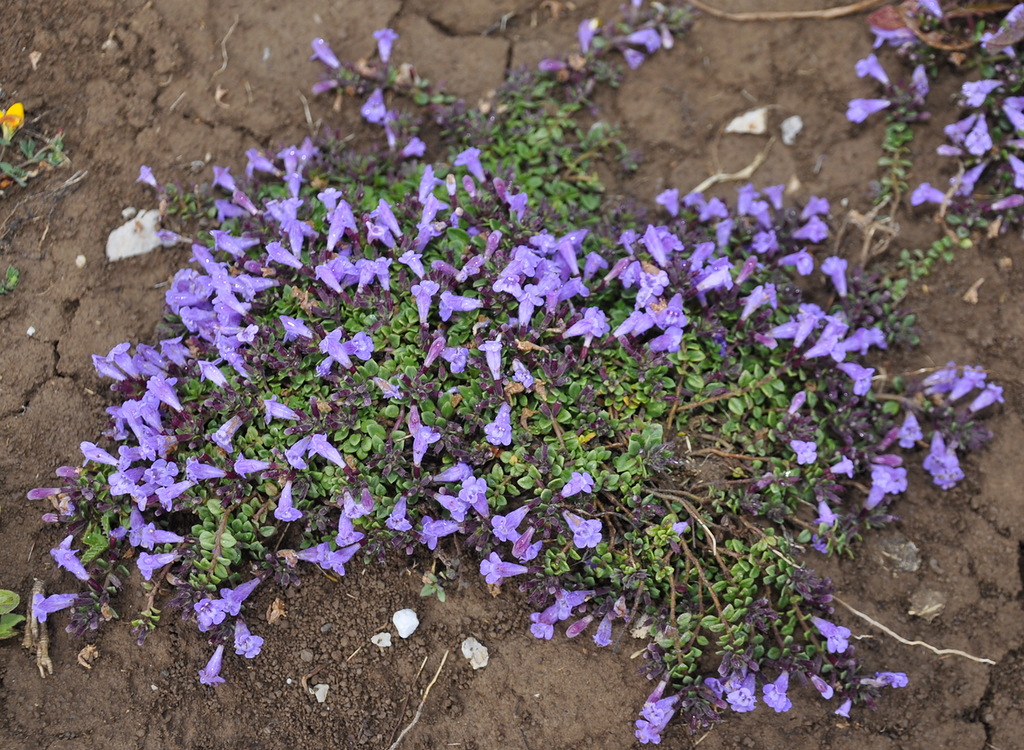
(925, 193)
(499, 432)
(67, 558)
(506, 528)
(210, 674)
(323, 53)
(276, 410)
(586, 534)
(246, 644)
(992, 394)
(460, 472)
(146, 177)
(594, 324)
(385, 39)
(870, 66)
(942, 463)
(44, 606)
(470, 159)
(245, 466)
(148, 563)
(802, 261)
(495, 570)
(232, 599)
(433, 530)
(373, 110)
(822, 687)
(932, 6)
(910, 431)
(861, 376)
(454, 303)
(837, 636)
(96, 454)
(806, 451)
(423, 437)
(397, 520)
(859, 109)
(492, 350)
(835, 268)
(978, 141)
(196, 471)
(226, 433)
(579, 482)
(320, 446)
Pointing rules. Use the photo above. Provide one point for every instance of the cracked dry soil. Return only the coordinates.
(136, 82)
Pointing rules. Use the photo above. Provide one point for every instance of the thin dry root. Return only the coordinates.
(37, 639)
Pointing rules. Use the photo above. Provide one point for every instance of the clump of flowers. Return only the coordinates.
(641, 422)
(985, 191)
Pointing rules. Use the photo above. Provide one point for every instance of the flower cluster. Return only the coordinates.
(352, 368)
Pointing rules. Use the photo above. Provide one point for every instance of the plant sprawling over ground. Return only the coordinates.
(643, 422)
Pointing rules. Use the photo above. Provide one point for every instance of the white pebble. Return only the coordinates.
(129, 212)
(31, 331)
(406, 622)
(476, 652)
(80, 261)
(754, 122)
(320, 691)
(382, 640)
(791, 128)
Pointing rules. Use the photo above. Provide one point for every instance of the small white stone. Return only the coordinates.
(754, 122)
(406, 622)
(791, 128)
(320, 691)
(135, 237)
(476, 652)
(31, 331)
(154, 688)
(382, 640)
(80, 261)
(129, 213)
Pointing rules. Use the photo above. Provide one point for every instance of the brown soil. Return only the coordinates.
(136, 83)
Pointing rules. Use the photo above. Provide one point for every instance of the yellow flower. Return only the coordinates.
(11, 119)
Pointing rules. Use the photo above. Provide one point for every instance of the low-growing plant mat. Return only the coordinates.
(180, 89)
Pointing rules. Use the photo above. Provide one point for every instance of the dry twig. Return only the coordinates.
(788, 15)
(423, 700)
(37, 638)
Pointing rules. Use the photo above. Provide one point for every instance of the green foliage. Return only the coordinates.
(10, 280)
(9, 600)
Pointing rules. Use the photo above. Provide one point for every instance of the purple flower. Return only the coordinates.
(460, 472)
(835, 268)
(495, 569)
(245, 466)
(67, 558)
(246, 644)
(374, 110)
(433, 530)
(323, 53)
(975, 92)
(932, 6)
(837, 636)
(44, 606)
(893, 679)
(506, 527)
(925, 193)
(775, 694)
(870, 66)
(423, 437)
(990, 395)
(210, 674)
(655, 715)
(822, 687)
(146, 176)
(424, 293)
(470, 159)
(492, 350)
(806, 451)
(802, 261)
(861, 376)
(669, 199)
(825, 515)
(275, 409)
(149, 563)
(94, 453)
(942, 463)
(397, 520)
(285, 510)
(741, 694)
(860, 109)
(580, 482)
(499, 432)
(454, 303)
(196, 471)
(844, 708)
(586, 534)
(594, 324)
(319, 445)
(385, 39)
(978, 141)
(885, 480)
(910, 431)
(226, 433)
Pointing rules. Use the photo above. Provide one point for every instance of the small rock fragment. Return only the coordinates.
(136, 237)
(381, 640)
(791, 128)
(31, 331)
(80, 261)
(899, 554)
(476, 652)
(320, 691)
(406, 622)
(754, 122)
(927, 604)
